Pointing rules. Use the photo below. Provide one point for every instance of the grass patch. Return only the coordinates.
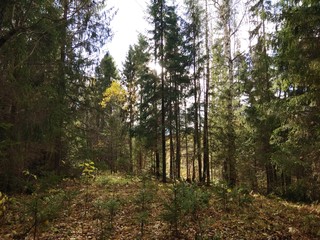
(105, 179)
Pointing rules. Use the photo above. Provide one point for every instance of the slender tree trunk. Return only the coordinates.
(140, 161)
(199, 144)
(132, 92)
(171, 153)
(61, 87)
(170, 126)
(178, 142)
(267, 131)
(131, 146)
(163, 110)
(156, 147)
(206, 167)
(186, 142)
(271, 177)
(187, 159)
(196, 143)
(157, 163)
(230, 161)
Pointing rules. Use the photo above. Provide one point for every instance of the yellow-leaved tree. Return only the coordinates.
(115, 95)
(116, 134)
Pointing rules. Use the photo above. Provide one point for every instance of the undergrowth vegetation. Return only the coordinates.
(104, 206)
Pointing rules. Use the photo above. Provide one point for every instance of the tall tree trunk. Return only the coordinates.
(266, 130)
(230, 161)
(163, 110)
(157, 163)
(196, 139)
(271, 177)
(171, 152)
(206, 167)
(178, 142)
(132, 93)
(156, 147)
(130, 140)
(170, 126)
(186, 141)
(61, 87)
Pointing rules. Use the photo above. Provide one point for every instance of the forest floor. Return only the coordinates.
(115, 206)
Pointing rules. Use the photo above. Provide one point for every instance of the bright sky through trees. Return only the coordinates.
(128, 22)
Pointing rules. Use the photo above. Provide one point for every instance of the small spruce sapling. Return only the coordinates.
(107, 210)
(173, 208)
(143, 201)
(238, 196)
(187, 202)
(196, 200)
(112, 206)
(43, 208)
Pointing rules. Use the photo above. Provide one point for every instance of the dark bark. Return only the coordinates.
(206, 167)
(157, 163)
(163, 110)
(271, 177)
(178, 141)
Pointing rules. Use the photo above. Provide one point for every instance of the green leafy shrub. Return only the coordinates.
(88, 169)
(89, 172)
(4, 199)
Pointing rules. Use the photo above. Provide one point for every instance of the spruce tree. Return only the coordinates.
(194, 35)
(157, 10)
(297, 61)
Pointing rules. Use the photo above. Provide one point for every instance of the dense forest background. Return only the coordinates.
(218, 107)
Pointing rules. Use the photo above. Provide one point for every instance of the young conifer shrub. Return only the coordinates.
(107, 211)
(143, 201)
(232, 197)
(41, 209)
(184, 205)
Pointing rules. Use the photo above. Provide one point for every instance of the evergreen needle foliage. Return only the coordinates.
(143, 200)
(184, 203)
(107, 210)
